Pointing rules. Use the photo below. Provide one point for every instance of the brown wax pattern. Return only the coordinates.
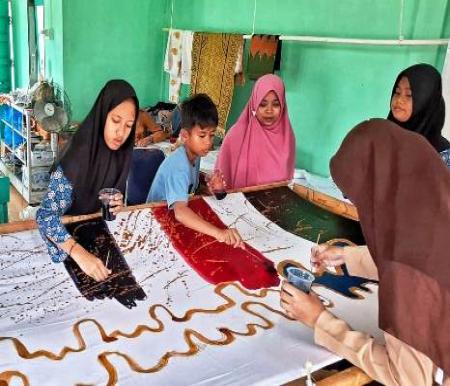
(6, 376)
(155, 325)
(228, 335)
(18, 305)
(121, 284)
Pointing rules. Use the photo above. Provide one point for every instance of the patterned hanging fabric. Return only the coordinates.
(213, 67)
(264, 56)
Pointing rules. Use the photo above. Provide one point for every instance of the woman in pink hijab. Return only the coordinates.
(260, 147)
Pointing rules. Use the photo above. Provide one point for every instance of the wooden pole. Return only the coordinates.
(327, 202)
(20, 226)
(352, 376)
(320, 199)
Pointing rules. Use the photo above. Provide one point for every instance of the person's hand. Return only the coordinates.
(305, 308)
(145, 141)
(90, 265)
(159, 136)
(215, 182)
(325, 255)
(230, 236)
(116, 203)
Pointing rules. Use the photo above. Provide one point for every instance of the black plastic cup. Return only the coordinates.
(106, 195)
(106, 214)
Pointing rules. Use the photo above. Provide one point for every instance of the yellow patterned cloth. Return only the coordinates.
(213, 64)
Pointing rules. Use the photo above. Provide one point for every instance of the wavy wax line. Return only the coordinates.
(6, 376)
(23, 352)
(228, 336)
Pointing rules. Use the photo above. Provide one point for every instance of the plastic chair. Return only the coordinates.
(144, 165)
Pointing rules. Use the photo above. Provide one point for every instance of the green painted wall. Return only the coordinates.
(330, 88)
(446, 28)
(20, 42)
(53, 22)
(5, 62)
(107, 39)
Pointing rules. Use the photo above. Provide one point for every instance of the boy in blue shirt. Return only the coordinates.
(178, 175)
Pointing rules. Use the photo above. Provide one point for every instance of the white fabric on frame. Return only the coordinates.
(41, 307)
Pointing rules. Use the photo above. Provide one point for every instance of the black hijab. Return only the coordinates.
(88, 163)
(428, 114)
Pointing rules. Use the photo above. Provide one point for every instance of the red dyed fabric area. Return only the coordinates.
(214, 261)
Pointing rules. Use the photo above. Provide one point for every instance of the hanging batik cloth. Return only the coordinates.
(177, 61)
(213, 67)
(264, 55)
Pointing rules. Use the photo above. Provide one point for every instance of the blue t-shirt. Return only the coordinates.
(176, 178)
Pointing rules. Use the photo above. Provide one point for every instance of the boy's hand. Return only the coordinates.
(230, 236)
(192, 220)
(215, 182)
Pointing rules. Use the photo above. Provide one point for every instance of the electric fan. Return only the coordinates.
(51, 106)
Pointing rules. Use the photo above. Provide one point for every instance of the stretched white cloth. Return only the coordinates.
(53, 336)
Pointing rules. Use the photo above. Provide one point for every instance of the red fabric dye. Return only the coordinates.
(214, 261)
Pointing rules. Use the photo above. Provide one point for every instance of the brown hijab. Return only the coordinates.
(401, 189)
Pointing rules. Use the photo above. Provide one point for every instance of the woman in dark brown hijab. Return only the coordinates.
(401, 189)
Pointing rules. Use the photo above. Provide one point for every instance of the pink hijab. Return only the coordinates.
(253, 154)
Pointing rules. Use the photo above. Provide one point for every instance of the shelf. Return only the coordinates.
(15, 181)
(19, 158)
(21, 109)
(33, 196)
(23, 135)
(13, 151)
(19, 126)
(7, 146)
(20, 133)
(7, 123)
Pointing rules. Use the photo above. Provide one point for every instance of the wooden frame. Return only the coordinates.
(322, 200)
(327, 202)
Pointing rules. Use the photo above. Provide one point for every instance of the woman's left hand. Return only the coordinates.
(298, 305)
(116, 204)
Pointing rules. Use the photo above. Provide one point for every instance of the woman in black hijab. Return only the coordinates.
(417, 105)
(98, 156)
